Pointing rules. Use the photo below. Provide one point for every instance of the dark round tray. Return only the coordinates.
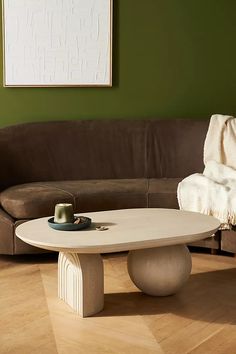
(86, 222)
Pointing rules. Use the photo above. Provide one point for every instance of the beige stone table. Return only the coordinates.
(158, 260)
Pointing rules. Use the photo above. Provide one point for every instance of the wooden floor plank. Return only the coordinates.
(25, 325)
(200, 319)
(120, 330)
(221, 342)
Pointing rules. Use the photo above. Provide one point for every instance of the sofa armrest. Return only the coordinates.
(6, 233)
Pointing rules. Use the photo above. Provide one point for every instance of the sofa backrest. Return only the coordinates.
(177, 145)
(100, 149)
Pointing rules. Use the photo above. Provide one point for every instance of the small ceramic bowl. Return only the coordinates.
(85, 222)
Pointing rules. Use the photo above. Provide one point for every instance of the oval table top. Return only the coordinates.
(128, 229)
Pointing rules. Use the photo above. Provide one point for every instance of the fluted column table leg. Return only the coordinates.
(81, 282)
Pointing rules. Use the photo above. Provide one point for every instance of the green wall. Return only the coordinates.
(171, 58)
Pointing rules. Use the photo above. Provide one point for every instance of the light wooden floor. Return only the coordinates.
(199, 319)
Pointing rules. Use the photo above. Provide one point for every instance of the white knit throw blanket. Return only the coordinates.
(220, 142)
(214, 191)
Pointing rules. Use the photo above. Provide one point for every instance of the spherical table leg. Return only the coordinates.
(160, 271)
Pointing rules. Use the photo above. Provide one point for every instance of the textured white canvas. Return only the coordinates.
(57, 42)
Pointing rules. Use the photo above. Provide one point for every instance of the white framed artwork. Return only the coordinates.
(57, 43)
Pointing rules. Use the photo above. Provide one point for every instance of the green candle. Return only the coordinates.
(64, 213)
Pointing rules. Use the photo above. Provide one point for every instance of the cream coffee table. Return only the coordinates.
(158, 260)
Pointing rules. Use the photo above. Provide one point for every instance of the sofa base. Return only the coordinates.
(213, 243)
(228, 241)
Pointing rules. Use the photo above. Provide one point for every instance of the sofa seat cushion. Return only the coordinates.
(162, 193)
(34, 200)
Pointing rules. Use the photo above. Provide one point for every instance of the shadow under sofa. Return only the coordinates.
(95, 165)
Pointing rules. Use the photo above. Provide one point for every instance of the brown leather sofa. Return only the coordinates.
(94, 164)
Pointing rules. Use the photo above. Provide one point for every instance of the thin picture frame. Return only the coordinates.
(13, 61)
